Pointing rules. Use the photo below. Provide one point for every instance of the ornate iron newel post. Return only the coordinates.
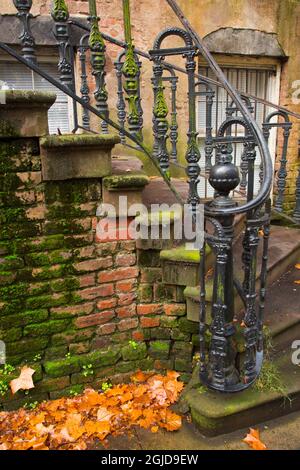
(98, 61)
(221, 371)
(27, 39)
(131, 73)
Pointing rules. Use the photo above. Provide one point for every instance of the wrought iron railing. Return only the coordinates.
(221, 367)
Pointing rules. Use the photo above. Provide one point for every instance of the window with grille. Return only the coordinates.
(16, 76)
(257, 82)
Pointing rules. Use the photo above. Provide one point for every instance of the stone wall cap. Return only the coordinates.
(79, 140)
(27, 98)
(128, 181)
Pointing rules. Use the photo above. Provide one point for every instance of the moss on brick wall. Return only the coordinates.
(75, 310)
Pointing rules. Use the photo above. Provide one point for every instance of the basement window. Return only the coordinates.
(17, 77)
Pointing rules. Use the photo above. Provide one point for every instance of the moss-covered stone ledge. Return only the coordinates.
(24, 113)
(76, 156)
(129, 185)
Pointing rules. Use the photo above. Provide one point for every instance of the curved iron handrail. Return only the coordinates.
(90, 108)
(262, 144)
(209, 81)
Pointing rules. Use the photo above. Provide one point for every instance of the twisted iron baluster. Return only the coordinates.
(193, 153)
(250, 319)
(202, 317)
(84, 88)
(60, 15)
(160, 127)
(98, 61)
(282, 172)
(121, 107)
(263, 276)
(296, 214)
(209, 147)
(27, 39)
(174, 123)
(131, 72)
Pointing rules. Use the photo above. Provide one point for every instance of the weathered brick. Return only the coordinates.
(106, 329)
(160, 349)
(86, 252)
(62, 367)
(133, 353)
(36, 213)
(94, 264)
(126, 286)
(46, 328)
(126, 312)
(88, 280)
(149, 309)
(79, 348)
(128, 324)
(73, 310)
(175, 309)
(149, 322)
(117, 274)
(125, 259)
(138, 336)
(126, 299)
(169, 322)
(72, 336)
(151, 275)
(50, 385)
(95, 319)
(145, 293)
(106, 304)
(128, 245)
(95, 292)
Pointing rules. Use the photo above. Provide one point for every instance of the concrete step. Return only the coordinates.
(219, 413)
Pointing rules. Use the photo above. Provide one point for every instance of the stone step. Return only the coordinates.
(180, 266)
(284, 251)
(220, 413)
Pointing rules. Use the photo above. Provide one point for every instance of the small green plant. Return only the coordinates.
(7, 369)
(133, 344)
(270, 379)
(4, 387)
(37, 358)
(68, 355)
(106, 386)
(73, 392)
(88, 370)
(31, 405)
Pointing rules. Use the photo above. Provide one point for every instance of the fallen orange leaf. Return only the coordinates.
(24, 381)
(297, 282)
(297, 266)
(73, 423)
(253, 440)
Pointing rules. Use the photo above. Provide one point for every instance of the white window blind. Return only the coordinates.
(18, 77)
(253, 81)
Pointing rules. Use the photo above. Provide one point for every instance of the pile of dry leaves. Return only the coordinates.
(74, 423)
